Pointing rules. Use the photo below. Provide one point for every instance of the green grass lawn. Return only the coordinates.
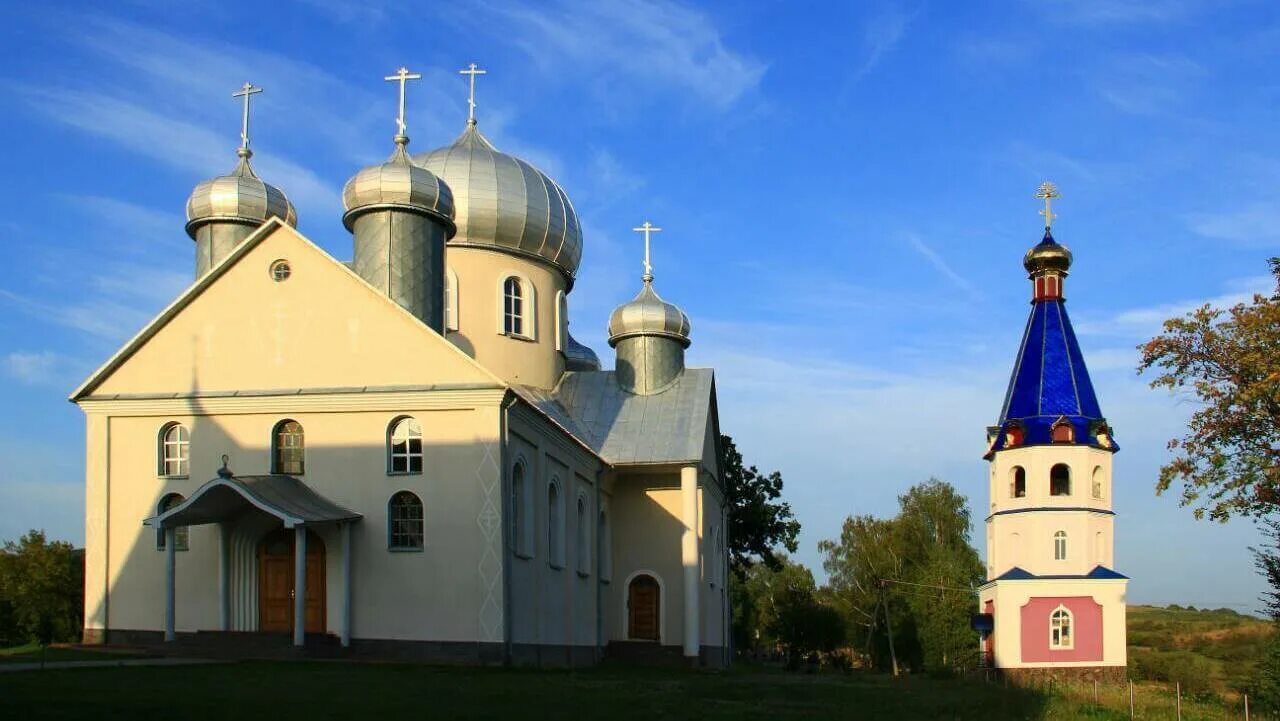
(343, 690)
(30, 653)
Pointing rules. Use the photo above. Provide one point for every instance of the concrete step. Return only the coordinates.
(644, 653)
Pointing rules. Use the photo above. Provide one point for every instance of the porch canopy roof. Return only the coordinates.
(227, 496)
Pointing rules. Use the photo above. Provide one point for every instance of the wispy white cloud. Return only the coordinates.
(1147, 83)
(940, 264)
(101, 318)
(42, 368)
(883, 33)
(1117, 12)
(1144, 322)
(1252, 225)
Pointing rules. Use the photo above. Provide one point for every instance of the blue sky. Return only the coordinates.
(846, 193)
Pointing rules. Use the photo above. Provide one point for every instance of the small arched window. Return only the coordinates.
(583, 535)
(404, 446)
(288, 448)
(1018, 485)
(555, 529)
(181, 539)
(513, 306)
(175, 451)
(1097, 482)
(1013, 437)
(519, 521)
(450, 300)
(405, 522)
(1060, 546)
(606, 547)
(1060, 629)
(1063, 432)
(1060, 480)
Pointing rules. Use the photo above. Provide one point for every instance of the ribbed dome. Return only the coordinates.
(1048, 254)
(505, 203)
(578, 357)
(648, 314)
(239, 197)
(397, 183)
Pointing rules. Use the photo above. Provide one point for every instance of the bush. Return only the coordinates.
(42, 586)
(1193, 672)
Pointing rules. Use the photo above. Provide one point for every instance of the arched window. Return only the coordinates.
(1013, 437)
(555, 529)
(181, 541)
(1063, 432)
(562, 321)
(583, 534)
(404, 446)
(1097, 482)
(1060, 628)
(1060, 480)
(519, 520)
(513, 306)
(1018, 488)
(287, 448)
(450, 300)
(1060, 546)
(606, 547)
(405, 522)
(175, 451)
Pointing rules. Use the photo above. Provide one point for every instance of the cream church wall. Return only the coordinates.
(1010, 597)
(479, 274)
(712, 596)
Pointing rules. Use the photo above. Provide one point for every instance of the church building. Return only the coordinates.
(1053, 605)
(405, 454)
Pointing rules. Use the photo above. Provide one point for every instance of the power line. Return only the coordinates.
(929, 585)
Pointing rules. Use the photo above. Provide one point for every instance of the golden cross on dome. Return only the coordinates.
(1048, 192)
(647, 228)
(473, 71)
(402, 76)
(246, 91)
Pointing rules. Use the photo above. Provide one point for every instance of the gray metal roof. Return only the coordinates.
(226, 497)
(624, 428)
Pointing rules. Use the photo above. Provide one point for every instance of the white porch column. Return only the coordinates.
(347, 582)
(689, 559)
(299, 584)
(224, 576)
(170, 558)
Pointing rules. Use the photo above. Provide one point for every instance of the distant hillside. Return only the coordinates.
(1206, 650)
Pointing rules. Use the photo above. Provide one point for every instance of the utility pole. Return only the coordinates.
(888, 625)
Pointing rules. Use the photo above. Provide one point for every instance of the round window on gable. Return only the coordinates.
(280, 270)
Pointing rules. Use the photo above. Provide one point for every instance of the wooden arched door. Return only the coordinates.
(643, 609)
(275, 582)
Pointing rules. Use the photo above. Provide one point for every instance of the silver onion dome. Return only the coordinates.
(397, 184)
(578, 357)
(505, 203)
(238, 197)
(648, 315)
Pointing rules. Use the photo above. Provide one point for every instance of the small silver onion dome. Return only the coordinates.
(505, 203)
(398, 184)
(648, 315)
(578, 357)
(238, 197)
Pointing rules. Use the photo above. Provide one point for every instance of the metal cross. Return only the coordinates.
(646, 227)
(245, 92)
(473, 71)
(1048, 192)
(402, 76)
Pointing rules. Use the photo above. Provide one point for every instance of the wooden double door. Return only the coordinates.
(275, 583)
(643, 609)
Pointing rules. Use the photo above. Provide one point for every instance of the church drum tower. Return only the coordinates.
(1052, 604)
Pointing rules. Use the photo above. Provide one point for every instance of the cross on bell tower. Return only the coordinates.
(247, 91)
(402, 76)
(647, 228)
(472, 70)
(1048, 192)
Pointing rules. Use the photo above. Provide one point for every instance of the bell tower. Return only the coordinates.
(1054, 600)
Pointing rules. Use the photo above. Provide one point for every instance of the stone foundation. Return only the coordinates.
(1042, 676)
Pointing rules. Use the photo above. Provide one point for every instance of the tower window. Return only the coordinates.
(287, 448)
(1060, 546)
(175, 450)
(1012, 437)
(1063, 432)
(1097, 483)
(1060, 629)
(1018, 488)
(1060, 480)
(513, 306)
(405, 446)
(450, 300)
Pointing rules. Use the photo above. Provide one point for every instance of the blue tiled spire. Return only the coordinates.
(1050, 383)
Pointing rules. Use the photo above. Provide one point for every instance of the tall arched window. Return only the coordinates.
(450, 300)
(1097, 482)
(555, 529)
(1018, 486)
(519, 513)
(1060, 546)
(181, 540)
(583, 536)
(287, 448)
(1060, 628)
(1060, 480)
(606, 547)
(404, 446)
(513, 306)
(175, 451)
(562, 321)
(405, 522)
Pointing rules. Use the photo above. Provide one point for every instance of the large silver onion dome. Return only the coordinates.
(578, 357)
(238, 197)
(505, 203)
(647, 314)
(397, 184)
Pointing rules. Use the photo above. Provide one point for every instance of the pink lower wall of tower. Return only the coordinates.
(1087, 621)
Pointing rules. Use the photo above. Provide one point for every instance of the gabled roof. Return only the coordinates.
(625, 428)
(227, 496)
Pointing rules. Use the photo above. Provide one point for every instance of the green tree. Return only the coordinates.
(787, 613)
(1228, 463)
(759, 521)
(42, 582)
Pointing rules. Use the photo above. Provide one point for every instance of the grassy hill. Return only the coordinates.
(1204, 650)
